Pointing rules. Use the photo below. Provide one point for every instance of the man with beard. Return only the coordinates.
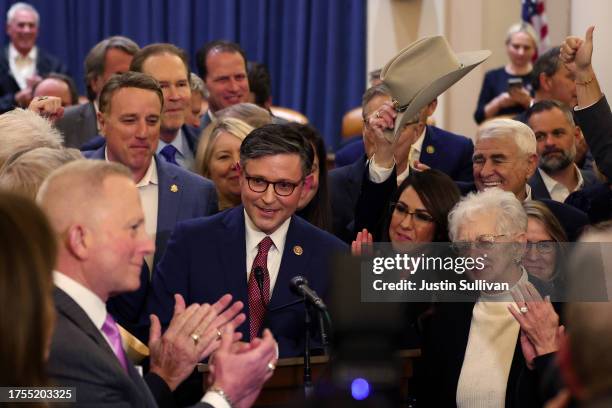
(556, 136)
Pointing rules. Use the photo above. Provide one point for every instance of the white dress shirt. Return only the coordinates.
(558, 191)
(380, 174)
(254, 237)
(148, 189)
(22, 66)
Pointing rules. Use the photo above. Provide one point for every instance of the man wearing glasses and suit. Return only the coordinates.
(252, 251)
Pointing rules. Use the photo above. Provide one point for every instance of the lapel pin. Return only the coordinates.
(174, 188)
(430, 149)
(298, 250)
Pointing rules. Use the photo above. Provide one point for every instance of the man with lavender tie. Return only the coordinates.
(94, 209)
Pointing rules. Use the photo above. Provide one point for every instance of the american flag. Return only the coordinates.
(533, 12)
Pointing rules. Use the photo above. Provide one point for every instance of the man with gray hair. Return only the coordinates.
(556, 136)
(22, 63)
(110, 56)
(24, 130)
(239, 251)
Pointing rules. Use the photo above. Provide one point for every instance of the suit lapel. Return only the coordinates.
(538, 188)
(428, 149)
(291, 265)
(169, 194)
(73, 312)
(232, 250)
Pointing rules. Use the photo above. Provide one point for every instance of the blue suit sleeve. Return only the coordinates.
(170, 277)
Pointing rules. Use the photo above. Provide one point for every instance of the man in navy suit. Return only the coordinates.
(253, 250)
(130, 112)
(170, 66)
(556, 135)
(432, 146)
(22, 64)
(429, 145)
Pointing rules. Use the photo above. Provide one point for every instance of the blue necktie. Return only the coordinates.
(169, 153)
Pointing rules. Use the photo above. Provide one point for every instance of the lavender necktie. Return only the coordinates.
(112, 332)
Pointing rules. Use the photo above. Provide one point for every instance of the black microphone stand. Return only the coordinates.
(308, 387)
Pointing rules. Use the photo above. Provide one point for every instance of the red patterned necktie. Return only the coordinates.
(257, 307)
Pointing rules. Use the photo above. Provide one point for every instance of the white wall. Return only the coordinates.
(585, 13)
(468, 25)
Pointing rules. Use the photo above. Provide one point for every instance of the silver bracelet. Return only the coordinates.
(222, 394)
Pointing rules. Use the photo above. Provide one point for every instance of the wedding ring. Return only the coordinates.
(218, 334)
(271, 366)
(378, 114)
(523, 309)
(196, 338)
(42, 98)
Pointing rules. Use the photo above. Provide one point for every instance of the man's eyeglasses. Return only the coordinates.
(543, 247)
(420, 216)
(483, 242)
(282, 188)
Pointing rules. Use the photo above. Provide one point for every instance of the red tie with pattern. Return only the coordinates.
(257, 309)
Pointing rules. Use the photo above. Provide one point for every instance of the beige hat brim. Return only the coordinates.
(468, 60)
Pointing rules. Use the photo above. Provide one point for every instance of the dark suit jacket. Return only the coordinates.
(445, 342)
(344, 190)
(78, 125)
(539, 191)
(445, 151)
(572, 219)
(596, 124)
(195, 197)
(206, 258)
(45, 64)
(205, 120)
(81, 357)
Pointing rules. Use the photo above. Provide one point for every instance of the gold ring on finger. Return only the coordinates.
(271, 366)
(195, 337)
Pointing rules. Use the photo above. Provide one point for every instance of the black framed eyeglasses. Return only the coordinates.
(421, 216)
(281, 188)
(543, 247)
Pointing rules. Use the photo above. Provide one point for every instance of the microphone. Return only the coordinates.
(259, 277)
(299, 286)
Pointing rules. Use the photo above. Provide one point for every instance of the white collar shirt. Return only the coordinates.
(22, 66)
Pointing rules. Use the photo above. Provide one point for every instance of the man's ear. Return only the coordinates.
(308, 182)
(545, 82)
(78, 241)
(101, 123)
(532, 165)
(431, 108)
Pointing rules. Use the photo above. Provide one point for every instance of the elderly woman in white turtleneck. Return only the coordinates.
(476, 353)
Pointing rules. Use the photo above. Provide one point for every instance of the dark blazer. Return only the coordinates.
(194, 196)
(80, 357)
(596, 124)
(205, 120)
(538, 188)
(78, 125)
(206, 258)
(444, 345)
(445, 151)
(344, 190)
(45, 64)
